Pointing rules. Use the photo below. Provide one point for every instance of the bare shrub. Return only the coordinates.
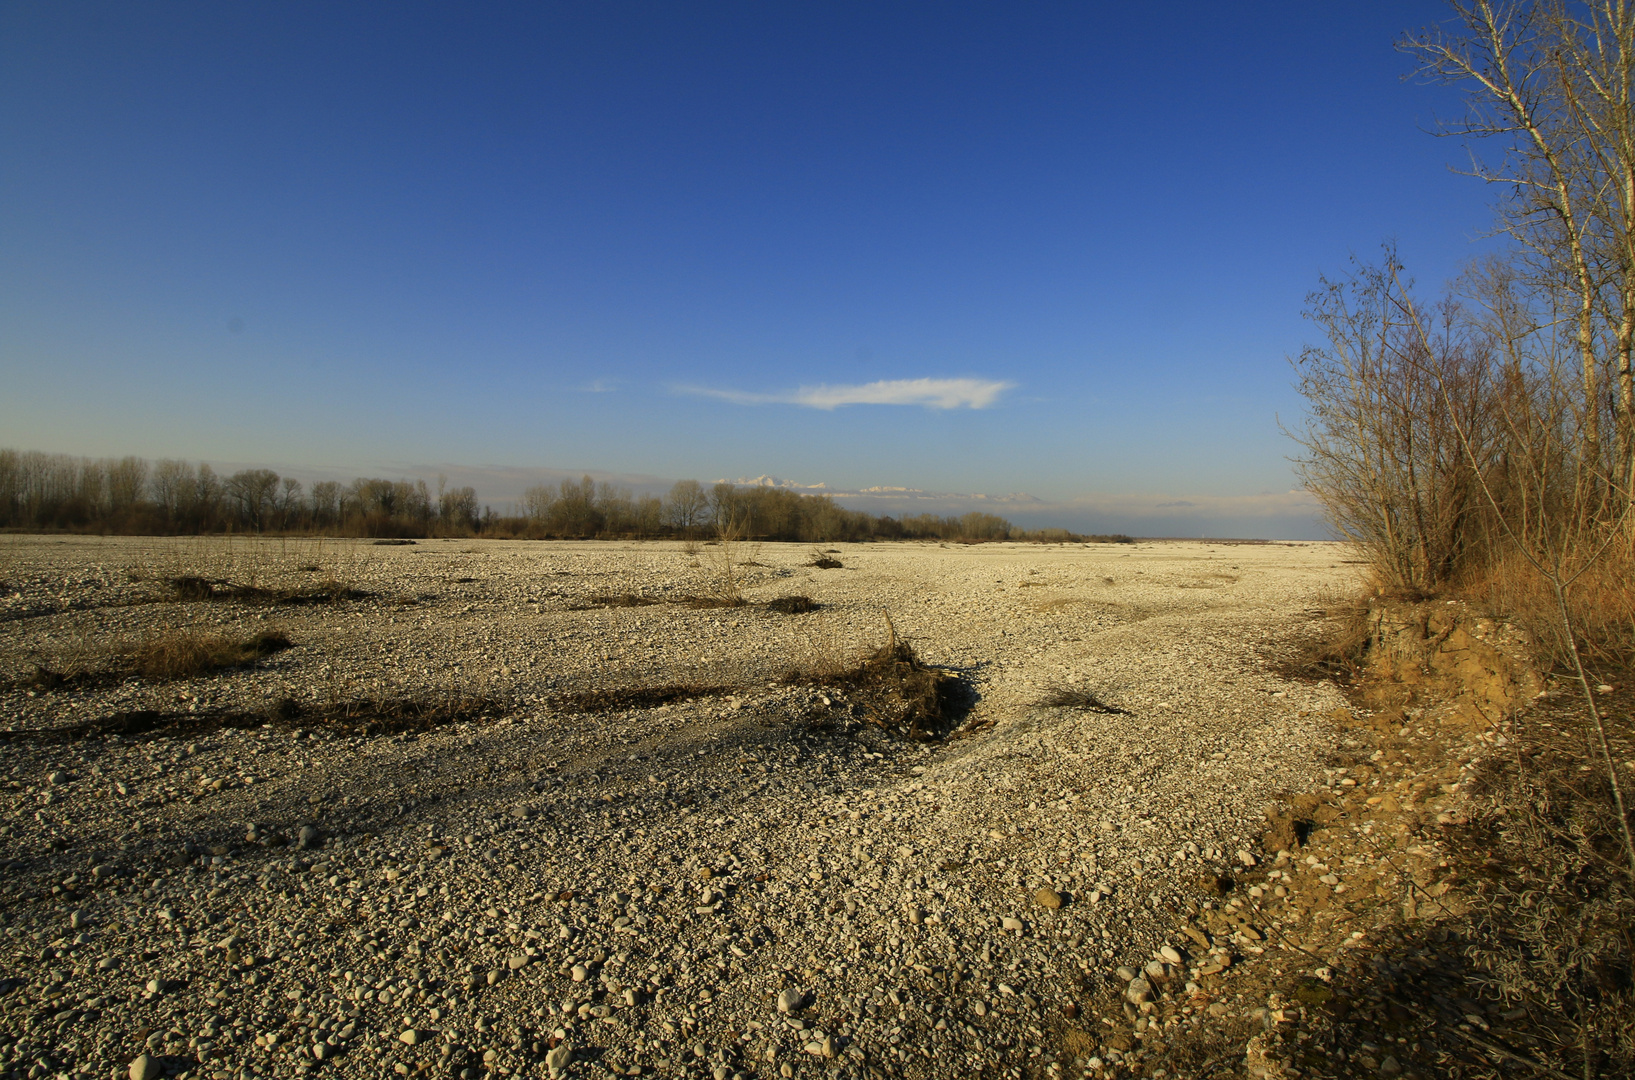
(1389, 396)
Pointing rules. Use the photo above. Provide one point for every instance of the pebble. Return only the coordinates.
(1010, 922)
(1170, 955)
(1048, 898)
(145, 1067)
(409, 1037)
(790, 1001)
(578, 973)
(309, 837)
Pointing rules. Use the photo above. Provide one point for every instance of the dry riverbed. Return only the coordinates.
(460, 818)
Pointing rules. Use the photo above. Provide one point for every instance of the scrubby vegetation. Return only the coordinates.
(1480, 444)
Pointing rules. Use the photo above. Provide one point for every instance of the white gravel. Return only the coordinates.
(751, 883)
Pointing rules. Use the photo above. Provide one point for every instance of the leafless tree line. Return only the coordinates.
(585, 508)
(131, 494)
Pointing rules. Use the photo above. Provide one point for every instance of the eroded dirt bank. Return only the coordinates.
(745, 878)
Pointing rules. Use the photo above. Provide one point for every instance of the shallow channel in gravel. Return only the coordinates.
(752, 881)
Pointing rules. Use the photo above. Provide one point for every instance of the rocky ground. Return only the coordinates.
(474, 822)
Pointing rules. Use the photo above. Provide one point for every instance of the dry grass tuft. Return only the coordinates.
(1062, 696)
(822, 561)
(186, 654)
(1335, 648)
(792, 605)
(1602, 602)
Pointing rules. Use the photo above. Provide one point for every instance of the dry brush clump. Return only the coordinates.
(165, 655)
(821, 560)
(1550, 927)
(895, 690)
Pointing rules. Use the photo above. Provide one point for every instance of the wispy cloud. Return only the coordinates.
(599, 386)
(930, 393)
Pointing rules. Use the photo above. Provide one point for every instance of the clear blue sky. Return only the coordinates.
(625, 237)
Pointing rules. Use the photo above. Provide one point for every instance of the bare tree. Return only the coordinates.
(256, 493)
(1554, 83)
(686, 505)
(536, 503)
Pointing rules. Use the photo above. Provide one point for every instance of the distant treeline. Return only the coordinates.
(132, 495)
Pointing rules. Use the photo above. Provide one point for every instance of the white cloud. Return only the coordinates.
(931, 393)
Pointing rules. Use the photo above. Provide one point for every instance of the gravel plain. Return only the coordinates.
(745, 880)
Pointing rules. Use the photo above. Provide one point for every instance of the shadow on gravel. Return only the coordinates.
(621, 600)
(366, 718)
(44, 680)
(783, 605)
(188, 587)
(620, 699)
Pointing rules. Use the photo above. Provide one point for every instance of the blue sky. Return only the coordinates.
(671, 240)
